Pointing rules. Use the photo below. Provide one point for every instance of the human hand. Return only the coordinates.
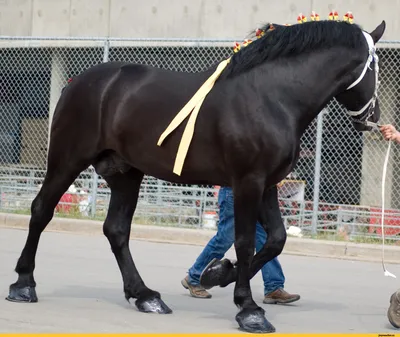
(389, 132)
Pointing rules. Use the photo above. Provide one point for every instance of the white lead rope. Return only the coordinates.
(386, 272)
(374, 57)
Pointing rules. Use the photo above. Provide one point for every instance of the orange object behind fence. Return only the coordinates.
(390, 220)
(68, 203)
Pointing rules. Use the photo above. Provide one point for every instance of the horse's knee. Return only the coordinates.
(116, 235)
(36, 205)
(40, 212)
(281, 236)
(278, 240)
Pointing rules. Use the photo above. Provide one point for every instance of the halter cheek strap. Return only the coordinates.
(371, 57)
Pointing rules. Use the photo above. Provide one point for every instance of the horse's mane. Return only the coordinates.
(289, 41)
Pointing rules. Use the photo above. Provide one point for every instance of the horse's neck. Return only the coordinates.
(308, 83)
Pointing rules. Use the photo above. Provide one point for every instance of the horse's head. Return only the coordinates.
(360, 97)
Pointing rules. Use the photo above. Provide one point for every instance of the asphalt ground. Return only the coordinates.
(80, 290)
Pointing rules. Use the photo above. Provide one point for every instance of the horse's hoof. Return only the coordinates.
(22, 295)
(215, 272)
(254, 321)
(154, 304)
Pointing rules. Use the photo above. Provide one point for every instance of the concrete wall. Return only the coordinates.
(198, 19)
(178, 18)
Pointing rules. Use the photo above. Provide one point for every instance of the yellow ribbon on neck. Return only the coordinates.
(193, 105)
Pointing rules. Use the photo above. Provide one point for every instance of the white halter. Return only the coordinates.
(372, 56)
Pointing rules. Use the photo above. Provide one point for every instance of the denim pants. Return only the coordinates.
(223, 240)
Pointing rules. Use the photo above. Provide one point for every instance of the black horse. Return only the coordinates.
(247, 136)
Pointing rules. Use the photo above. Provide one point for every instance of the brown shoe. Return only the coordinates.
(280, 296)
(393, 313)
(195, 291)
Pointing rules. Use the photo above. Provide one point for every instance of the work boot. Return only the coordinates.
(196, 291)
(393, 313)
(280, 296)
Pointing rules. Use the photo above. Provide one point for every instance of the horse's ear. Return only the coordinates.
(377, 33)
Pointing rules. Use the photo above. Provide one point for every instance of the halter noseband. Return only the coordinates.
(371, 103)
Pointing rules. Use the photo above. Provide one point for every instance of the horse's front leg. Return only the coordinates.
(271, 219)
(221, 273)
(247, 199)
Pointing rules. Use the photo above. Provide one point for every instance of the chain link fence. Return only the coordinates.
(335, 189)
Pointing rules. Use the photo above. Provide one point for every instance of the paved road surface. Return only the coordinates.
(80, 290)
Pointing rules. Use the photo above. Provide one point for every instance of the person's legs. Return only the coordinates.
(216, 247)
(272, 274)
(393, 313)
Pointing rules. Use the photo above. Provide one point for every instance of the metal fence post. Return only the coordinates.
(317, 175)
(93, 205)
(106, 52)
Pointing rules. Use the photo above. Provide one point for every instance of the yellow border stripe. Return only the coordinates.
(206, 334)
(195, 103)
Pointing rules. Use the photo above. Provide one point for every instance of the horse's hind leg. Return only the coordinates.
(124, 196)
(58, 179)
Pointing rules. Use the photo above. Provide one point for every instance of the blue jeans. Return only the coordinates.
(217, 247)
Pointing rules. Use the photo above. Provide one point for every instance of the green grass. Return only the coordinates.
(329, 236)
(71, 215)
